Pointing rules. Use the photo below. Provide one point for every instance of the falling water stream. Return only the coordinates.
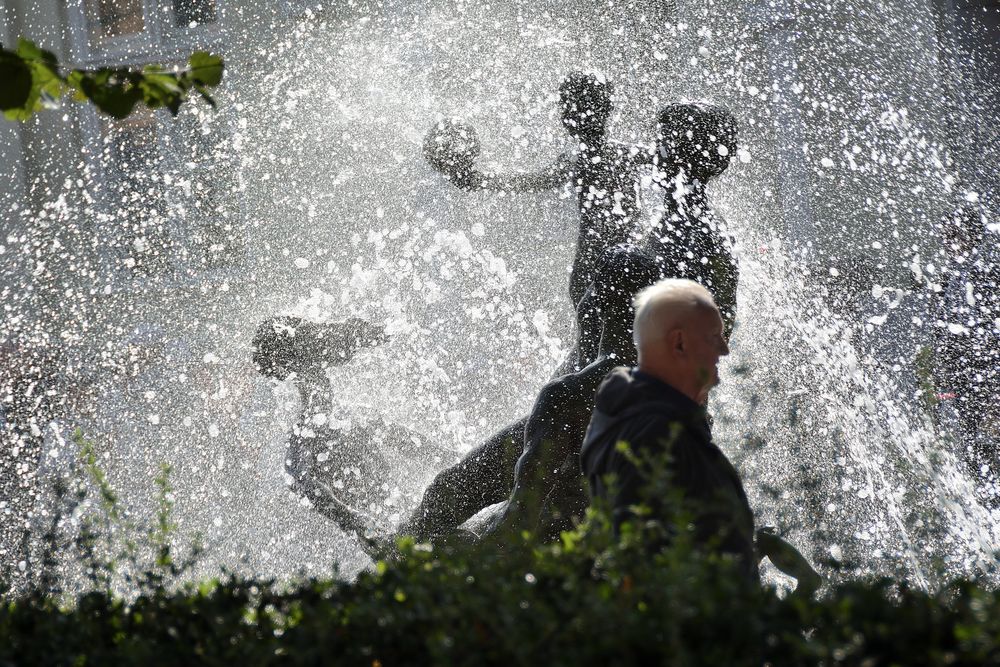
(314, 162)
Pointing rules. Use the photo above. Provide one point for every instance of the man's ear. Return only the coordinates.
(676, 343)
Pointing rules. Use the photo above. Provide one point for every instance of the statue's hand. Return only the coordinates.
(451, 147)
(787, 558)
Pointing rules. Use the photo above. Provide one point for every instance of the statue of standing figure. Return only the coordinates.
(602, 172)
(695, 144)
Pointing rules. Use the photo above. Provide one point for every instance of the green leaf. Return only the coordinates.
(160, 90)
(110, 96)
(47, 80)
(74, 80)
(206, 68)
(166, 82)
(17, 79)
(30, 51)
(174, 104)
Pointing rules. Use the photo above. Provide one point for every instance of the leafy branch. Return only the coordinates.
(104, 562)
(35, 80)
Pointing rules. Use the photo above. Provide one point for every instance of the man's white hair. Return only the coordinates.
(663, 305)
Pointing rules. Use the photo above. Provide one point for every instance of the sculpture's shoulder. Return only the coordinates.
(571, 396)
(556, 392)
(629, 156)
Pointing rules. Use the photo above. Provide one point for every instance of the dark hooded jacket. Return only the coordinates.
(656, 419)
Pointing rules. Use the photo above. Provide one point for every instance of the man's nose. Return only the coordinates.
(724, 349)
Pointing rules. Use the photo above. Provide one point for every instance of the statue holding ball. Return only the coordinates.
(601, 172)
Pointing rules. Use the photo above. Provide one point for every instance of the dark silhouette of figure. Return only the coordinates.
(549, 490)
(695, 143)
(485, 476)
(338, 468)
(602, 172)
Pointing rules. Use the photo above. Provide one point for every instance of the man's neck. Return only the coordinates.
(665, 376)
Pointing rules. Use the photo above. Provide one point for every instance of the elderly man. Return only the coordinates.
(659, 407)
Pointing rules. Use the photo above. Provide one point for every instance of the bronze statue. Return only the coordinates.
(602, 172)
(695, 144)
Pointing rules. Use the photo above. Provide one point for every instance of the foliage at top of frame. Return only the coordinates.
(34, 80)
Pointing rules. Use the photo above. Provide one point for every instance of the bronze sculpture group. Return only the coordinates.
(529, 470)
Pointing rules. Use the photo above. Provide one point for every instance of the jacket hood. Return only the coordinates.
(625, 394)
(615, 392)
(626, 387)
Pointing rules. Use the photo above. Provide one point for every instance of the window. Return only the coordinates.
(115, 18)
(187, 12)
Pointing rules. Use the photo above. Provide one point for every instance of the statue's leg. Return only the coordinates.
(317, 469)
(484, 477)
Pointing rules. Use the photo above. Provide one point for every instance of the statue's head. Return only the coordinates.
(696, 137)
(585, 104)
(283, 345)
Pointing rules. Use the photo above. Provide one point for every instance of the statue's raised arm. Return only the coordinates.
(602, 173)
(452, 147)
(557, 174)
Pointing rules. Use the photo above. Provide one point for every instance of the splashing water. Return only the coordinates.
(136, 291)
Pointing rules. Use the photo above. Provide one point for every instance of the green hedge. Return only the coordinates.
(591, 599)
(586, 601)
